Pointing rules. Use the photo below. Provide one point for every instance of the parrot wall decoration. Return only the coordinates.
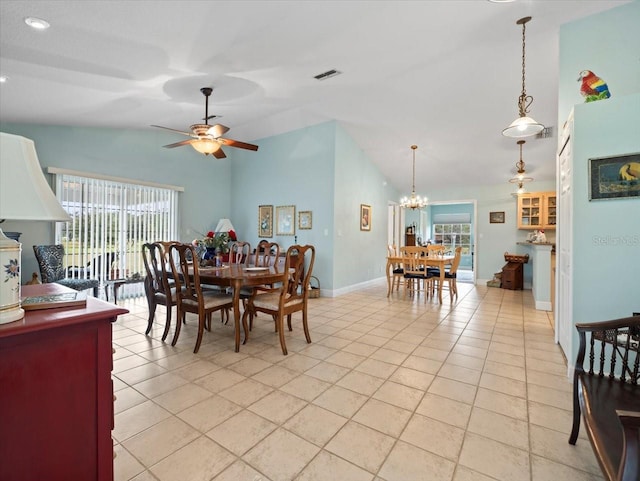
(593, 87)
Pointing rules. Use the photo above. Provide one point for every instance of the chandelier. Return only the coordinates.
(414, 201)
(520, 178)
(523, 126)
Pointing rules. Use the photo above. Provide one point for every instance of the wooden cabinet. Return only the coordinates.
(56, 393)
(409, 239)
(537, 210)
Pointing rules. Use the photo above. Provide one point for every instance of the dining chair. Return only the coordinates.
(240, 252)
(398, 271)
(417, 277)
(158, 288)
(51, 263)
(450, 275)
(290, 297)
(97, 268)
(266, 254)
(190, 295)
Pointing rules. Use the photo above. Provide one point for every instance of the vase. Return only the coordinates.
(209, 253)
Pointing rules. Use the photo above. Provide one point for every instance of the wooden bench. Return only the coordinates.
(607, 393)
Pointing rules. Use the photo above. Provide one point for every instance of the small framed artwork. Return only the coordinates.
(286, 220)
(365, 217)
(496, 217)
(304, 220)
(614, 177)
(265, 221)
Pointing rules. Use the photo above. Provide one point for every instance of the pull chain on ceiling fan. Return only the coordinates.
(207, 139)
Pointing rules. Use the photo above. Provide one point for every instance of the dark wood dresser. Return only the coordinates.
(56, 393)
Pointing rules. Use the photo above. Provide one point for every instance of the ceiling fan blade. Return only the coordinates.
(238, 144)
(219, 154)
(174, 130)
(179, 144)
(217, 130)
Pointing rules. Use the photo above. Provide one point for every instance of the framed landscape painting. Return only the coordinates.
(265, 221)
(615, 177)
(286, 220)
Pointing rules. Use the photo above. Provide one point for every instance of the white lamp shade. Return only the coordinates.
(523, 127)
(224, 225)
(24, 191)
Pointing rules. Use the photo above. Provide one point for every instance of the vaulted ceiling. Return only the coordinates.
(444, 75)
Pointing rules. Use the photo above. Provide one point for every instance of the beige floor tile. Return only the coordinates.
(345, 359)
(160, 384)
(482, 454)
(249, 366)
(360, 348)
(561, 383)
(340, 401)
(544, 469)
(459, 373)
(197, 369)
(422, 364)
(141, 373)
(327, 372)
(297, 362)
(281, 455)
(451, 389)
(516, 360)
(160, 440)
(505, 370)
(240, 471)
(360, 382)
(412, 378)
(126, 398)
(275, 376)
(407, 462)
(318, 351)
(431, 353)
(277, 406)
(446, 410)
(315, 424)
(209, 413)
(383, 417)
(504, 385)
(434, 436)
(552, 397)
(399, 395)
(136, 419)
(305, 387)
(465, 474)
(469, 362)
(498, 427)
(552, 418)
(470, 351)
(498, 402)
(376, 368)
(200, 460)
(144, 476)
(328, 467)
(361, 445)
(125, 466)
(219, 380)
(554, 445)
(241, 432)
(246, 392)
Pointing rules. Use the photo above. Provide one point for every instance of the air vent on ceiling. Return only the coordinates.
(327, 74)
(546, 133)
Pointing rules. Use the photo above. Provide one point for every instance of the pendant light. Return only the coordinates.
(414, 201)
(523, 126)
(520, 178)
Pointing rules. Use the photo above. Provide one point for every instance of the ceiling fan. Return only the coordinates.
(207, 139)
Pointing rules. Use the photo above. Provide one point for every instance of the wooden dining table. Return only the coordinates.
(438, 261)
(238, 276)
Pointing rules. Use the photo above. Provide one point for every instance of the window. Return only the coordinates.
(110, 220)
(452, 236)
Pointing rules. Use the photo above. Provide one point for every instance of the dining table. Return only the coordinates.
(434, 260)
(238, 276)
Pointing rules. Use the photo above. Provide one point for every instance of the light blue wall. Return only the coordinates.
(606, 273)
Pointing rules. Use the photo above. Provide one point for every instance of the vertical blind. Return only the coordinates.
(110, 220)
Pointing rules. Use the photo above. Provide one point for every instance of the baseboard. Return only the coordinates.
(352, 288)
(544, 306)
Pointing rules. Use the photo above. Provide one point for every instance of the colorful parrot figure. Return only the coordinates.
(593, 87)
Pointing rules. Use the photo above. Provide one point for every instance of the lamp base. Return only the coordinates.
(10, 260)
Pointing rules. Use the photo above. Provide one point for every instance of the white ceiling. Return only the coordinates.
(444, 75)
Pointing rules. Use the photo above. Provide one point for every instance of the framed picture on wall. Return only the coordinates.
(265, 221)
(365, 217)
(304, 220)
(496, 217)
(286, 220)
(615, 177)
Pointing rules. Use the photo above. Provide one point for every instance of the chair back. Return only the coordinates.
(239, 253)
(456, 260)
(392, 250)
(267, 254)
(186, 275)
(296, 285)
(412, 261)
(434, 249)
(155, 264)
(50, 261)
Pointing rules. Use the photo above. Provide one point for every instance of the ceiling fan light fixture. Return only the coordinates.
(523, 126)
(413, 201)
(37, 23)
(205, 146)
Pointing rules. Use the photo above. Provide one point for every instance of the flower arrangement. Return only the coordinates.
(219, 241)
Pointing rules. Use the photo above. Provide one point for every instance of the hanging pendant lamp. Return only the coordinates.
(414, 201)
(523, 126)
(520, 178)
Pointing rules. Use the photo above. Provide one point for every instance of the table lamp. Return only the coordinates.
(24, 195)
(224, 225)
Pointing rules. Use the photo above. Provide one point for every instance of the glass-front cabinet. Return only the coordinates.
(537, 210)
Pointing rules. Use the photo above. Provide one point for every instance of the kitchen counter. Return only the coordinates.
(540, 257)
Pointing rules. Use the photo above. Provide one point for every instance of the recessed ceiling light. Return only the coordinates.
(502, 1)
(37, 23)
(3, 79)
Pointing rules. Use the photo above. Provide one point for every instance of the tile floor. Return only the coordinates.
(390, 389)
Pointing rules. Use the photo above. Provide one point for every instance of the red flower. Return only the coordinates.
(211, 234)
(232, 235)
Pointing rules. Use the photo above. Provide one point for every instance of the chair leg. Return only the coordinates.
(95, 292)
(180, 319)
(201, 322)
(575, 429)
(167, 322)
(305, 325)
(289, 322)
(280, 327)
(152, 313)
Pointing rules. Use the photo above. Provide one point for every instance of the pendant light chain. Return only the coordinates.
(524, 101)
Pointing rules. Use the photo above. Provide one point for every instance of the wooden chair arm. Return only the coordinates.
(633, 321)
(629, 418)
